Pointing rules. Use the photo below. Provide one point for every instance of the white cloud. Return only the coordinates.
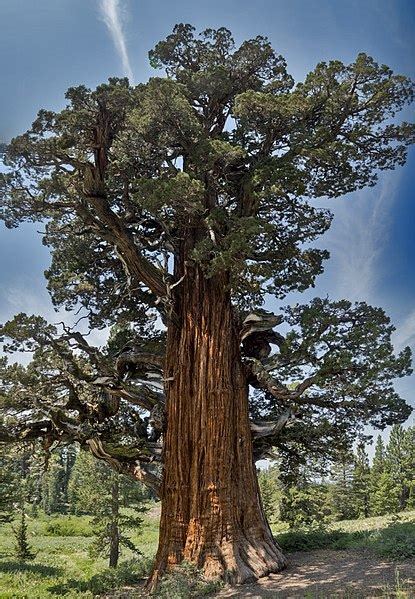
(28, 297)
(114, 16)
(405, 333)
(357, 239)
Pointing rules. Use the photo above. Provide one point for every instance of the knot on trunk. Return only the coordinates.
(157, 421)
(257, 334)
(134, 362)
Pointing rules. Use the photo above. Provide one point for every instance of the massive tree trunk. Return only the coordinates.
(211, 508)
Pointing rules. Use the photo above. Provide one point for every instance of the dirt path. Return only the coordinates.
(324, 574)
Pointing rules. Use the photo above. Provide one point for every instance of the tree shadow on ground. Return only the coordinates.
(324, 573)
(17, 566)
(70, 585)
(126, 573)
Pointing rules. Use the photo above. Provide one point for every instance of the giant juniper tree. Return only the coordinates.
(186, 201)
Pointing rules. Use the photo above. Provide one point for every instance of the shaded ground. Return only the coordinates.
(323, 574)
(326, 573)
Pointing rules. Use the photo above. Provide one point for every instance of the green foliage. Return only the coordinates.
(326, 136)
(185, 582)
(354, 489)
(69, 526)
(56, 480)
(305, 506)
(392, 473)
(308, 540)
(271, 492)
(305, 499)
(397, 541)
(128, 572)
(391, 540)
(97, 490)
(349, 357)
(22, 550)
(8, 487)
(385, 496)
(360, 485)
(63, 567)
(342, 497)
(400, 461)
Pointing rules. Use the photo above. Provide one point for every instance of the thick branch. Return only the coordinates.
(139, 268)
(264, 428)
(260, 377)
(131, 360)
(136, 469)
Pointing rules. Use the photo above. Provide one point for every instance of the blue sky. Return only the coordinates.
(49, 45)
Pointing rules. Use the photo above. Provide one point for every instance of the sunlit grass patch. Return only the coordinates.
(391, 537)
(63, 566)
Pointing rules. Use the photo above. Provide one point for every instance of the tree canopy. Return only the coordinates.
(219, 160)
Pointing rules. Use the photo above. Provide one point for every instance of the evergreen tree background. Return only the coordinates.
(55, 482)
(360, 483)
(95, 489)
(75, 483)
(354, 489)
(8, 487)
(22, 549)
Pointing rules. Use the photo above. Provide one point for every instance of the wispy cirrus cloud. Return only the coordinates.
(357, 241)
(405, 333)
(113, 14)
(358, 238)
(29, 297)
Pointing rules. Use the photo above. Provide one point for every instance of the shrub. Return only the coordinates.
(186, 582)
(397, 541)
(68, 526)
(127, 572)
(306, 540)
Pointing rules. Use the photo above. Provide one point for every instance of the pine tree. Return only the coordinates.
(409, 466)
(8, 487)
(270, 488)
(55, 480)
(395, 465)
(96, 489)
(360, 483)
(378, 464)
(341, 488)
(22, 549)
(305, 499)
(384, 496)
(388, 483)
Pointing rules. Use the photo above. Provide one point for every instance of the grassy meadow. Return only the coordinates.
(63, 566)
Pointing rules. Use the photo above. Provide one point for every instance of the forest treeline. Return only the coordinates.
(353, 489)
(73, 482)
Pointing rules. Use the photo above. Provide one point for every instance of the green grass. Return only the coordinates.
(392, 537)
(63, 567)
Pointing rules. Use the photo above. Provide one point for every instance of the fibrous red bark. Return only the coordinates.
(211, 508)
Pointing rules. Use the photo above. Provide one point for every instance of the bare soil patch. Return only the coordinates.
(326, 573)
(320, 574)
